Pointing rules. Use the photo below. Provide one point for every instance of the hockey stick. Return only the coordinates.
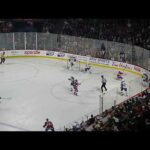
(84, 80)
(6, 98)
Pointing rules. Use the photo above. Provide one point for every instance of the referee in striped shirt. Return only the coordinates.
(103, 83)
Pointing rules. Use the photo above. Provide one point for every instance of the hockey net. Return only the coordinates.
(73, 63)
(85, 63)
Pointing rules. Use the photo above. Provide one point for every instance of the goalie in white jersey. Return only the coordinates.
(71, 62)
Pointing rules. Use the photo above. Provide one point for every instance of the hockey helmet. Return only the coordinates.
(123, 80)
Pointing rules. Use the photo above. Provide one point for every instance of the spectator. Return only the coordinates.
(91, 120)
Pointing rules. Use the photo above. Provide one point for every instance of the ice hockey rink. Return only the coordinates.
(33, 89)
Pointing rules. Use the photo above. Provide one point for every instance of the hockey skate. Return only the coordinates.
(126, 94)
(121, 93)
(75, 93)
(102, 92)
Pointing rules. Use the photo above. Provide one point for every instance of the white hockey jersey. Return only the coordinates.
(123, 85)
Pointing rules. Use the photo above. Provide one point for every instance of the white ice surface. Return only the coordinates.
(39, 89)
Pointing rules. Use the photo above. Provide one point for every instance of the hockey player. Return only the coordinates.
(71, 79)
(71, 62)
(145, 77)
(103, 83)
(75, 86)
(2, 58)
(48, 125)
(149, 83)
(87, 68)
(119, 75)
(123, 88)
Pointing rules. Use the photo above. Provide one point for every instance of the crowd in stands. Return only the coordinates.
(6, 26)
(130, 31)
(131, 115)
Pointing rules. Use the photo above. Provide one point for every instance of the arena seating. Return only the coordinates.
(131, 115)
(130, 31)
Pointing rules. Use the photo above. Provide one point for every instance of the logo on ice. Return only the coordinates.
(31, 52)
